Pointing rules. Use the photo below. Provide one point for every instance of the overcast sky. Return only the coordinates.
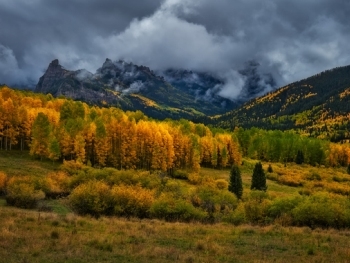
(290, 39)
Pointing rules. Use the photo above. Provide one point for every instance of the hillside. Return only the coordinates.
(317, 106)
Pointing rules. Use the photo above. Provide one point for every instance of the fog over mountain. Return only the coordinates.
(268, 43)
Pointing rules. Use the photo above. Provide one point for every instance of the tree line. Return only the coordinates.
(61, 129)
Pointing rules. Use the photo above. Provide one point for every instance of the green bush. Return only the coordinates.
(281, 206)
(21, 192)
(236, 217)
(322, 210)
(216, 203)
(256, 208)
(180, 174)
(168, 208)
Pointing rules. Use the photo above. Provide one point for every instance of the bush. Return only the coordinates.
(313, 177)
(214, 201)
(322, 210)
(236, 217)
(168, 208)
(92, 198)
(21, 192)
(173, 188)
(221, 184)
(57, 184)
(281, 206)
(180, 174)
(71, 167)
(194, 178)
(3, 180)
(256, 208)
(132, 200)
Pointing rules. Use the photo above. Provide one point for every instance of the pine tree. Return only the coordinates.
(235, 185)
(259, 178)
(299, 158)
(269, 169)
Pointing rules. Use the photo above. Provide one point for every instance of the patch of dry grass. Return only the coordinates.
(27, 236)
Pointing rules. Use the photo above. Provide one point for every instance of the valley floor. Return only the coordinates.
(32, 236)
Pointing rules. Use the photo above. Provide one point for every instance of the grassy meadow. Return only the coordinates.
(30, 235)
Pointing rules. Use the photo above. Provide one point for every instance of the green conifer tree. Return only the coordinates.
(259, 178)
(299, 158)
(235, 185)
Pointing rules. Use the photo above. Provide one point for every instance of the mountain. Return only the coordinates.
(133, 87)
(318, 106)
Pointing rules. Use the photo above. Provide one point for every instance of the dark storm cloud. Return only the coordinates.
(290, 39)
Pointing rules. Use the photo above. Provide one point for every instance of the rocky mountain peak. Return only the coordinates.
(54, 72)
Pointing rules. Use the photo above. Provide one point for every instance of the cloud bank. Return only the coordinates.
(290, 40)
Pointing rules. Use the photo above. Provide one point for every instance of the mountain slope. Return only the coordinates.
(130, 87)
(318, 105)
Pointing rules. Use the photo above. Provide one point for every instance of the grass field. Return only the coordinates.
(29, 236)
(62, 236)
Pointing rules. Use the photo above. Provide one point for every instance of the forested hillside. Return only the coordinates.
(61, 129)
(68, 130)
(317, 106)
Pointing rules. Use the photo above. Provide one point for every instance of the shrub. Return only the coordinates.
(322, 210)
(290, 180)
(57, 184)
(281, 206)
(173, 188)
(236, 217)
(92, 198)
(180, 174)
(313, 177)
(221, 184)
(194, 178)
(71, 167)
(214, 201)
(21, 192)
(256, 208)
(132, 200)
(3, 180)
(168, 208)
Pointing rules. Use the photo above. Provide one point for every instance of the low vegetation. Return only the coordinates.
(62, 160)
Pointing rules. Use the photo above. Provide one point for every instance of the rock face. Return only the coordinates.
(78, 85)
(173, 93)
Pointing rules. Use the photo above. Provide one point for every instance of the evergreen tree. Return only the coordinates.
(299, 158)
(235, 185)
(259, 178)
(269, 169)
(348, 170)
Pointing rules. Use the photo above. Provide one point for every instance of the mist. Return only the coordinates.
(289, 40)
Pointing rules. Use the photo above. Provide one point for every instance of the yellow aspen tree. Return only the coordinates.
(101, 143)
(206, 148)
(40, 136)
(11, 123)
(79, 148)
